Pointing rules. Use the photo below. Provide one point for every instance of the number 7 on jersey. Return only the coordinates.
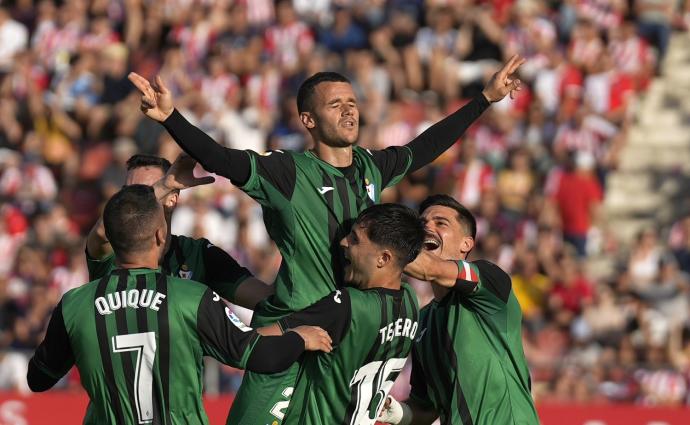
(144, 345)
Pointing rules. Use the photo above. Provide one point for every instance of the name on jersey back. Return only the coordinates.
(401, 327)
(131, 298)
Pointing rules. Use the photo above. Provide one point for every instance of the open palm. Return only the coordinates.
(156, 99)
(181, 174)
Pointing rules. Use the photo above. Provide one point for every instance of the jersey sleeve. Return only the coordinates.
(226, 338)
(222, 334)
(54, 357)
(223, 273)
(272, 177)
(332, 313)
(393, 163)
(441, 136)
(419, 392)
(231, 163)
(98, 268)
(483, 285)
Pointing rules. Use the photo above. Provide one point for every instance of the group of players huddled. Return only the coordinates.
(139, 330)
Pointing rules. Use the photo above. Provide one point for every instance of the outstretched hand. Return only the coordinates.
(156, 99)
(504, 82)
(181, 174)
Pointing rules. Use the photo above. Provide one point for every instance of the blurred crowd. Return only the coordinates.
(532, 169)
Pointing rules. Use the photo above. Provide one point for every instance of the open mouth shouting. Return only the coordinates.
(432, 242)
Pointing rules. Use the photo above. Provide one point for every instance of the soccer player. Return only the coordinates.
(468, 365)
(373, 322)
(138, 336)
(310, 199)
(184, 257)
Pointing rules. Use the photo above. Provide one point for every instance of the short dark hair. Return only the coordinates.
(143, 160)
(130, 219)
(465, 217)
(305, 93)
(395, 227)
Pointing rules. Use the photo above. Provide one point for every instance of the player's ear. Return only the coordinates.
(171, 199)
(161, 235)
(467, 244)
(307, 120)
(384, 258)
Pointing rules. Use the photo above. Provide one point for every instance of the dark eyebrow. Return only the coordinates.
(338, 99)
(440, 218)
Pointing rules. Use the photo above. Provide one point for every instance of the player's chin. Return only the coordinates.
(348, 274)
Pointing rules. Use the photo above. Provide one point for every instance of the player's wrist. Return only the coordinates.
(396, 413)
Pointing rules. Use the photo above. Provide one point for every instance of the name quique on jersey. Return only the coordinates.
(131, 298)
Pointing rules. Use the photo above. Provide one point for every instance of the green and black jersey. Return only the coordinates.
(373, 332)
(309, 205)
(468, 363)
(188, 258)
(138, 338)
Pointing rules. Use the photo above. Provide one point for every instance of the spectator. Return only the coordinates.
(578, 196)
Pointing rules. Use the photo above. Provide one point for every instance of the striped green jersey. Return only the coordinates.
(138, 338)
(468, 363)
(373, 332)
(308, 207)
(188, 258)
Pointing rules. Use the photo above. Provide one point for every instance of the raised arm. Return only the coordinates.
(439, 137)
(180, 176)
(157, 104)
(433, 269)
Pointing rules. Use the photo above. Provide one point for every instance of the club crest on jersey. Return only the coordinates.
(236, 320)
(185, 273)
(371, 190)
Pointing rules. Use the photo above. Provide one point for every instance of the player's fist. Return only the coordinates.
(504, 82)
(156, 99)
(392, 412)
(315, 338)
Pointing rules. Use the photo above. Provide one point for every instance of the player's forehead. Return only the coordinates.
(331, 91)
(440, 212)
(360, 231)
(147, 175)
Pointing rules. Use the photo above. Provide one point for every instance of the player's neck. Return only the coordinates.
(336, 156)
(383, 280)
(137, 261)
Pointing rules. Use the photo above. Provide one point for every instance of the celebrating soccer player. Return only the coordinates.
(138, 336)
(184, 257)
(468, 366)
(372, 322)
(310, 199)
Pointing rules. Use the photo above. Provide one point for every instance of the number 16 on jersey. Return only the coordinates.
(373, 386)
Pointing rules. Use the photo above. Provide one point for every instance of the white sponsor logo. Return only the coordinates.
(336, 297)
(325, 189)
(236, 321)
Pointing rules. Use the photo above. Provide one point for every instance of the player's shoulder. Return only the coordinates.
(185, 288)
(494, 278)
(490, 269)
(86, 290)
(193, 243)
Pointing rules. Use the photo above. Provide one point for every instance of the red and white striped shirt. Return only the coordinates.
(287, 43)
